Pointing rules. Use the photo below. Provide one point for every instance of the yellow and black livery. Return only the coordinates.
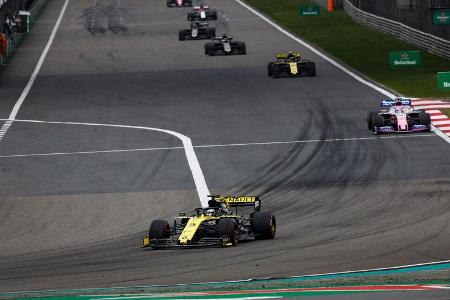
(291, 64)
(219, 224)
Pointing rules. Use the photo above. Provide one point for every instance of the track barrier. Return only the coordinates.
(10, 41)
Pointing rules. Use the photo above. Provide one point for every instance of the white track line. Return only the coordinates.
(332, 61)
(198, 146)
(26, 90)
(446, 122)
(434, 111)
(426, 102)
(199, 179)
(197, 174)
(432, 106)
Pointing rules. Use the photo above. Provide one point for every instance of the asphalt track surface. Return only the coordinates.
(72, 221)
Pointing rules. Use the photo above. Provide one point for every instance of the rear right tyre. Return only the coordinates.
(264, 225)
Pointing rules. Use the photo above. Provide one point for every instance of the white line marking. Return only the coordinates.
(197, 174)
(432, 106)
(443, 287)
(213, 145)
(440, 117)
(26, 90)
(331, 61)
(90, 152)
(433, 111)
(441, 134)
(444, 128)
(423, 102)
(442, 122)
(230, 281)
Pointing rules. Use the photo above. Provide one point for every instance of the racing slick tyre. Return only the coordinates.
(228, 227)
(378, 120)
(275, 70)
(370, 116)
(159, 229)
(213, 15)
(182, 35)
(424, 118)
(210, 49)
(270, 69)
(307, 68)
(241, 48)
(211, 32)
(264, 225)
(187, 3)
(190, 16)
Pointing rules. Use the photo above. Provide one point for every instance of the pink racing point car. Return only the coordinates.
(179, 3)
(398, 116)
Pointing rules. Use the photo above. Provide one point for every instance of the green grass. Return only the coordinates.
(446, 112)
(360, 47)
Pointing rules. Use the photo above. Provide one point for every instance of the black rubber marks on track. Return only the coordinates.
(106, 15)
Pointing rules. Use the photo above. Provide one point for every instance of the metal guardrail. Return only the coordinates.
(416, 37)
(17, 38)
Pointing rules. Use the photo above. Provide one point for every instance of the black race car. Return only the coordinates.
(199, 30)
(291, 64)
(219, 224)
(203, 13)
(225, 45)
(179, 3)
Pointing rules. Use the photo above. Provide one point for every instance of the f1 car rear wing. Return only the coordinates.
(235, 201)
(286, 55)
(398, 101)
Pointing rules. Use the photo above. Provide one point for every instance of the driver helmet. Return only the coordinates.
(209, 212)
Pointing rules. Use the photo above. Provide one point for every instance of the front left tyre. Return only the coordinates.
(370, 116)
(159, 229)
(228, 228)
(181, 35)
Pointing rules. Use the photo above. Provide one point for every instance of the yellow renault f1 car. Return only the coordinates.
(291, 64)
(219, 224)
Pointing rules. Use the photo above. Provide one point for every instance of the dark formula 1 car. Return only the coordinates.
(199, 31)
(398, 116)
(216, 225)
(225, 45)
(291, 65)
(179, 3)
(203, 13)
